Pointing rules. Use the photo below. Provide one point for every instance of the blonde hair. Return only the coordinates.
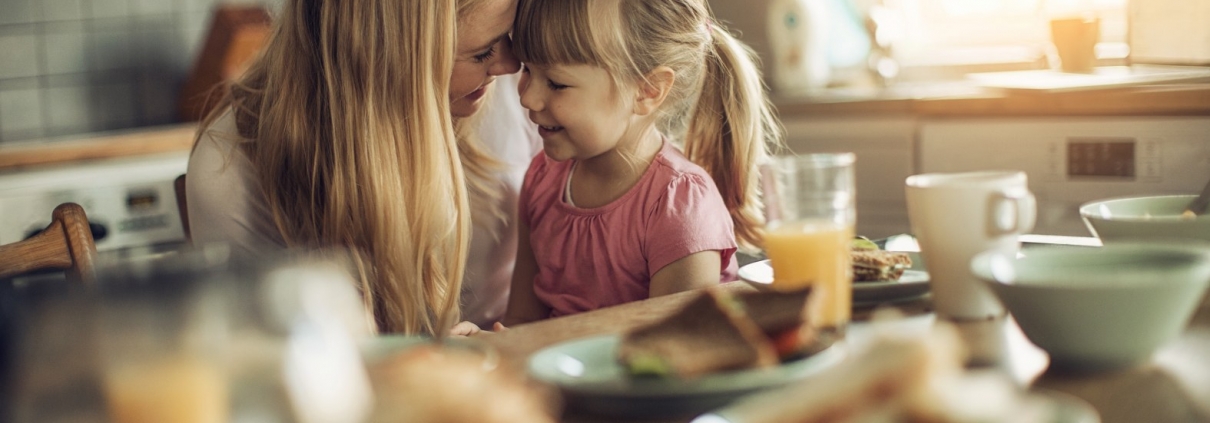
(484, 187)
(353, 145)
(717, 105)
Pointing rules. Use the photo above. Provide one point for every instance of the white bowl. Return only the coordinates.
(1098, 308)
(1144, 218)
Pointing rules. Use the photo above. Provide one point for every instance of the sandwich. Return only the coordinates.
(714, 332)
(871, 264)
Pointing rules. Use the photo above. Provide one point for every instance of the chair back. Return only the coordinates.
(66, 244)
(181, 205)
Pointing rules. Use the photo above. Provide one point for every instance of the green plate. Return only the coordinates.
(592, 380)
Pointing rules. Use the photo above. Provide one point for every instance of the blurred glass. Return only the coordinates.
(811, 218)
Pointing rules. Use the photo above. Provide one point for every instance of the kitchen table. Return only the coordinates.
(1174, 386)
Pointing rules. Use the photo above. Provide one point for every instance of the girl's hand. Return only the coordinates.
(498, 327)
(465, 329)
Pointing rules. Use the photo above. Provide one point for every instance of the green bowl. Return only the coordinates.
(1099, 308)
(1144, 219)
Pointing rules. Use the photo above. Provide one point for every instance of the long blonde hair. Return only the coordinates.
(484, 187)
(353, 145)
(717, 106)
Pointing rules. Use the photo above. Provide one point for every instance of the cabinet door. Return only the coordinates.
(884, 149)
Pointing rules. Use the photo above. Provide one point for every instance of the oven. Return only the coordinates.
(130, 202)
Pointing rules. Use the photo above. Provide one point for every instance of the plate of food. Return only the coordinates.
(699, 358)
(879, 276)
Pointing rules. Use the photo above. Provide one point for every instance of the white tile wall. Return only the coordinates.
(65, 50)
(19, 11)
(62, 10)
(75, 66)
(109, 8)
(21, 111)
(20, 56)
(68, 110)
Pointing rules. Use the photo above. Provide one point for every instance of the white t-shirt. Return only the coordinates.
(226, 205)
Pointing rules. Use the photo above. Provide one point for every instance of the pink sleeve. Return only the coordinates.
(690, 218)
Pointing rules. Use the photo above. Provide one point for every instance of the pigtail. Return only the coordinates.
(731, 129)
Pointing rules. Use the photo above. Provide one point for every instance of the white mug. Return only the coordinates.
(955, 216)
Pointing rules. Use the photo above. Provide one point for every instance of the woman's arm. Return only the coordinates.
(523, 304)
(697, 270)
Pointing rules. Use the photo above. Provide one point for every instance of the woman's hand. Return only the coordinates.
(498, 327)
(465, 329)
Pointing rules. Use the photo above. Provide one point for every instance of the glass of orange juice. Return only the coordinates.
(811, 215)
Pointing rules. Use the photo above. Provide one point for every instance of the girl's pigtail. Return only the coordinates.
(731, 130)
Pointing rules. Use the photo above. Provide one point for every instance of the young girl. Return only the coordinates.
(613, 212)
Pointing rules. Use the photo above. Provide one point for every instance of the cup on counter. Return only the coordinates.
(1075, 40)
(811, 217)
(955, 216)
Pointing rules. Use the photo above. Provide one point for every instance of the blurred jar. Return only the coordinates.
(162, 332)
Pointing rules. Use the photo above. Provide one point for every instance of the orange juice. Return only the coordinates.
(815, 253)
(178, 389)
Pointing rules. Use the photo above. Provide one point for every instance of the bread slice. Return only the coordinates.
(711, 333)
(879, 265)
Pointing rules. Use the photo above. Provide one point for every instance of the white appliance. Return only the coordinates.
(1071, 161)
(130, 202)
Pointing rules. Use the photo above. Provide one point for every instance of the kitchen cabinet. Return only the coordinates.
(884, 146)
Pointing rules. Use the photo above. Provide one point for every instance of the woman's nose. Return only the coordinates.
(506, 63)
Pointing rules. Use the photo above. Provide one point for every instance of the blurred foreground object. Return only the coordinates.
(66, 244)
(905, 378)
(434, 383)
(195, 336)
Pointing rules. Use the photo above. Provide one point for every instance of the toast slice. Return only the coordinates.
(879, 265)
(714, 332)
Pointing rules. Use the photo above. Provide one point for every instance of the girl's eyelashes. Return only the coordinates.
(484, 56)
(554, 86)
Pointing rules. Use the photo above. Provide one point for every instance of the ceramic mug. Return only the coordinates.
(1075, 40)
(955, 216)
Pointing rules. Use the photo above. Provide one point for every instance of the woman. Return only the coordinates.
(343, 134)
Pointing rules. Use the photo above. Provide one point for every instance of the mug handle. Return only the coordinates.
(1022, 205)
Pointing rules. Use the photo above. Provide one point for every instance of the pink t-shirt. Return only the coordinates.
(604, 256)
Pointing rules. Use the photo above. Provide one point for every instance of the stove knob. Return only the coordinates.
(98, 230)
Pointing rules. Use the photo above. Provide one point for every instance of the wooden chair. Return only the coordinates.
(66, 244)
(181, 205)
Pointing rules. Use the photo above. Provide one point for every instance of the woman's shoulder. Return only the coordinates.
(221, 133)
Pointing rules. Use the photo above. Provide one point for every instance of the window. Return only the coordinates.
(984, 31)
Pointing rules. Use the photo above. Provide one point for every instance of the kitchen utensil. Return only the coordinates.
(1198, 205)
(1099, 308)
(811, 210)
(1144, 218)
(588, 373)
(957, 215)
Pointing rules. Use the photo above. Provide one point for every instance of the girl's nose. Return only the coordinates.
(530, 97)
(506, 63)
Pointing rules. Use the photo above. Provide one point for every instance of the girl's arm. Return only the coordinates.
(523, 304)
(697, 270)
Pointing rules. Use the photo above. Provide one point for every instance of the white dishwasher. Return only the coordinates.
(1073, 160)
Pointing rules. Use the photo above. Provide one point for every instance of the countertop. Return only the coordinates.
(967, 99)
(957, 99)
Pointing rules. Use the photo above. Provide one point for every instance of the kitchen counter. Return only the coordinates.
(966, 99)
(140, 141)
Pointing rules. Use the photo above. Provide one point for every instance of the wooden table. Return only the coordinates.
(1172, 387)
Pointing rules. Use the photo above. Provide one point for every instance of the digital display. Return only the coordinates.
(1101, 157)
(141, 199)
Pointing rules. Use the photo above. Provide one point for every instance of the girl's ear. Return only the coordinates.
(654, 90)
